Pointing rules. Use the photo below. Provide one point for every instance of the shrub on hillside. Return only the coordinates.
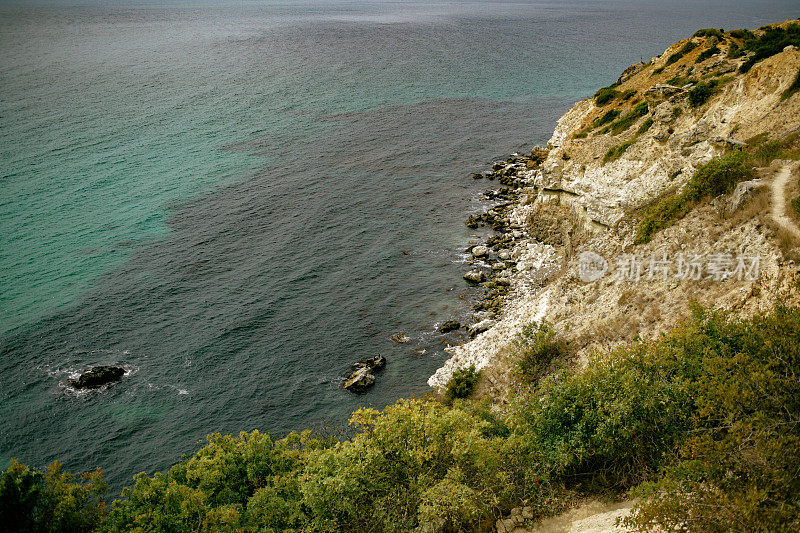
(627, 120)
(710, 32)
(685, 49)
(771, 42)
(462, 383)
(605, 95)
(737, 469)
(536, 348)
(700, 93)
(719, 176)
(54, 500)
(707, 53)
(605, 119)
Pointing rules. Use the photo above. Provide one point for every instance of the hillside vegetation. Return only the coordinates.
(703, 424)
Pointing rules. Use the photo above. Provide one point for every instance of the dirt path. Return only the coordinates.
(779, 207)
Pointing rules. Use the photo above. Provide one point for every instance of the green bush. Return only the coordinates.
(796, 206)
(54, 500)
(463, 382)
(700, 93)
(615, 152)
(685, 49)
(771, 42)
(707, 53)
(536, 349)
(719, 176)
(737, 468)
(627, 120)
(710, 32)
(645, 126)
(742, 34)
(605, 119)
(605, 95)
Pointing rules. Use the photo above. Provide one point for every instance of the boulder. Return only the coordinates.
(722, 141)
(474, 276)
(97, 376)
(450, 325)
(480, 327)
(360, 380)
(661, 92)
(480, 251)
(741, 193)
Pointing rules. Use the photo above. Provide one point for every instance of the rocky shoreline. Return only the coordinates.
(568, 199)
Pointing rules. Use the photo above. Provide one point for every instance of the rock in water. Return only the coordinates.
(480, 251)
(97, 376)
(450, 325)
(359, 381)
(401, 338)
(474, 276)
(373, 363)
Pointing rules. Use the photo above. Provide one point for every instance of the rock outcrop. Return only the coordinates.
(587, 186)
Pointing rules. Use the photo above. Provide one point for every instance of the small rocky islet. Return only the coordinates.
(362, 375)
(96, 377)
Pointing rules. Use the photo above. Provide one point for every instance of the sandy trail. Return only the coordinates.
(779, 208)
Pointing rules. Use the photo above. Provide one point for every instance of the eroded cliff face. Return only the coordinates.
(599, 174)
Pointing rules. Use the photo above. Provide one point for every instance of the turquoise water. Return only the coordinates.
(237, 200)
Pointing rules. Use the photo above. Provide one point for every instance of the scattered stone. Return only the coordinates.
(474, 276)
(789, 48)
(477, 176)
(97, 376)
(480, 327)
(479, 251)
(504, 255)
(727, 140)
(418, 351)
(450, 325)
(401, 338)
(498, 266)
(473, 221)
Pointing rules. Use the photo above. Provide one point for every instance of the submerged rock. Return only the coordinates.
(97, 376)
(450, 325)
(401, 338)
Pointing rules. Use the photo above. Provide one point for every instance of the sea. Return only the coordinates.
(236, 200)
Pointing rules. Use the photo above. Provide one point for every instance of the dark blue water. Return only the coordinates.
(237, 200)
